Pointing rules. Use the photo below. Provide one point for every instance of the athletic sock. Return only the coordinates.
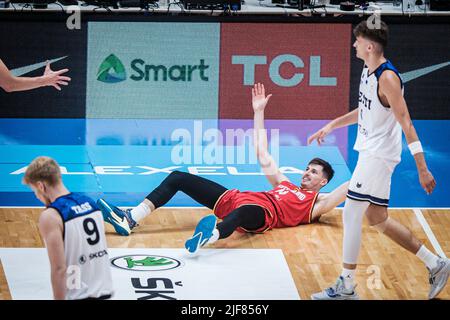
(427, 257)
(140, 212)
(352, 218)
(348, 275)
(215, 236)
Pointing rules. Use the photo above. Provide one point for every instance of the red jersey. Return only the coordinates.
(287, 205)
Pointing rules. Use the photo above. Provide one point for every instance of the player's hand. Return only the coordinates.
(427, 181)
(259, 99)
(320, 135)
(55, 78)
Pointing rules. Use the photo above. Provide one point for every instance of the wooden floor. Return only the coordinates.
(313, 252)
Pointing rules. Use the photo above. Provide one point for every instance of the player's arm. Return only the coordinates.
(51, 229)
(390, 87)
(265, 159)
(328, 201)
(11, 83)
(343, 121)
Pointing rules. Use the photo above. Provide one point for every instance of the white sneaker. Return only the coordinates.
(438, 277)
(336, 292)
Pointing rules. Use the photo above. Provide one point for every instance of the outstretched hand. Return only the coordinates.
(259, 99)
(427, 181)
(55, 78)
(320, 135)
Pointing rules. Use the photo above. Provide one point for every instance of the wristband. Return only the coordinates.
(415, 147)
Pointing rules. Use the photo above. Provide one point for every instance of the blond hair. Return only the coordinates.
(43, 169)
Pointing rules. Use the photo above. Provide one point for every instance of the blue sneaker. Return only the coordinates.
(193, 243)
(202, 233)
(121, 220)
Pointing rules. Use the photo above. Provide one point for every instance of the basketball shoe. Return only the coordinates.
(336, 292)
(438, 277)
(202, 233)
(121, 220)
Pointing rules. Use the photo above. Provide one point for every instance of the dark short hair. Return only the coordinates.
(326, 167)
(378, 35)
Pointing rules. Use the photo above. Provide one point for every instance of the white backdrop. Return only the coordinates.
(212, 274)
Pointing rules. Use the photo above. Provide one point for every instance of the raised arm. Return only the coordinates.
(268, 164)
(391, 89)
(51, 229)
(328, 201)
(11, 83)
(343, 121)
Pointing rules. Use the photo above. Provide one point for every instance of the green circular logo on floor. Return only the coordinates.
(143, 262)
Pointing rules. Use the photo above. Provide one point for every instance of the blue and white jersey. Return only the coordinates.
(88, 266)
(379, 133)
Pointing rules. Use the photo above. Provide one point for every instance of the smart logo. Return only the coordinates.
(174, 73)
(111, 70)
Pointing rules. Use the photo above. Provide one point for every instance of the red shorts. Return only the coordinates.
(233, 199)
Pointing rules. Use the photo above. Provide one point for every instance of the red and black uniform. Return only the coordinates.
(287, 205)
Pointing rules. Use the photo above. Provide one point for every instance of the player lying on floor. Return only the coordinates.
(286, 205)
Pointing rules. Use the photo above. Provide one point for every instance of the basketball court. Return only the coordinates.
(287, 264)
(153, 94)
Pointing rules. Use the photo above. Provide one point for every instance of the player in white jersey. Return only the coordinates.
(73, 231)
(381, 115)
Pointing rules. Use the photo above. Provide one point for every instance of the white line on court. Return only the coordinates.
(429, 232)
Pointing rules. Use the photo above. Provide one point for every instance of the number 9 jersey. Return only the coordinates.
(88, 267)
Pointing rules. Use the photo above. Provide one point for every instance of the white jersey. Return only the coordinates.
(379, 133)
(88, 267)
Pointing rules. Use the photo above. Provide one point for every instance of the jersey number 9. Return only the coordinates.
(91, 229)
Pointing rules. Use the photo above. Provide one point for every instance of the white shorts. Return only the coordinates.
(371, 180)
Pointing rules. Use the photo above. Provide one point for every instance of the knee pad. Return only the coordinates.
(381, 227)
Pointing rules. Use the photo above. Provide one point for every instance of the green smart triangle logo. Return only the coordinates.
(111, 70)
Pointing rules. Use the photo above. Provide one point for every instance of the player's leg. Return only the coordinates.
(344, 287)
(352, 218)
(377, 217)
(357, 202)
(249, 217)
(204, 191)
(438, 267)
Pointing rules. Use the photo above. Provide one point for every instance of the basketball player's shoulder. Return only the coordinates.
(287, 183)
(49, 218)
(50, 211)
(389, 75)
(390, 80)
(387, 72)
